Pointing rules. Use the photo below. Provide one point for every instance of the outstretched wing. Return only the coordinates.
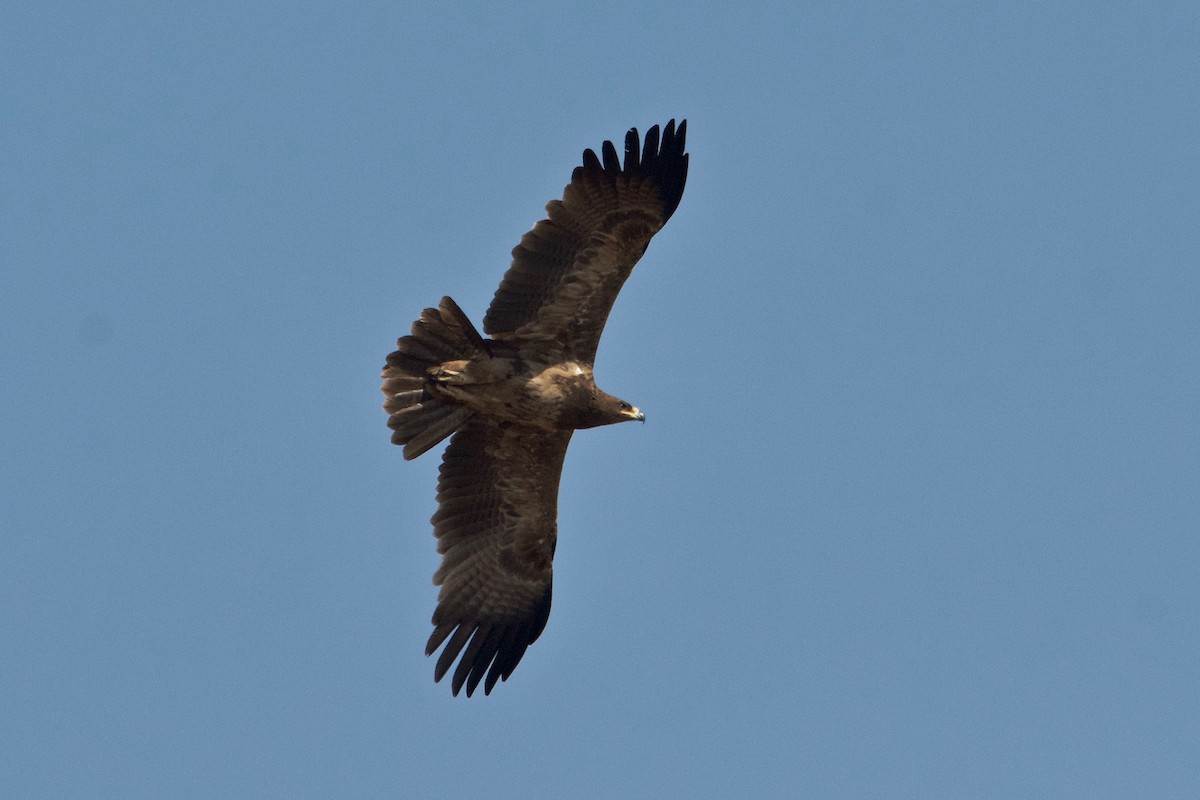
(496, 527)
(567, 271)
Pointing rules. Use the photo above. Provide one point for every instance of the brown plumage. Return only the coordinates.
(513, 400)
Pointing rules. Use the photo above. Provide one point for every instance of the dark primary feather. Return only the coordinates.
(568, 270)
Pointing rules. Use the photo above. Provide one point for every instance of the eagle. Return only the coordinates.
(511, 401)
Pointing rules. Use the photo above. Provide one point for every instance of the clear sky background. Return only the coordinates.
(915, 510)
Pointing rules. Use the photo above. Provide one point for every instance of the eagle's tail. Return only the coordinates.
(418, 418)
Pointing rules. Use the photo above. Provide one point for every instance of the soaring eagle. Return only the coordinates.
(513, 400)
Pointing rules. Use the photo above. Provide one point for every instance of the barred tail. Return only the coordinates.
(418, 418)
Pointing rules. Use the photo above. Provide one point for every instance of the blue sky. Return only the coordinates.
(914, 512)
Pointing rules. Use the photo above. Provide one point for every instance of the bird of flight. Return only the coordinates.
(513, 400)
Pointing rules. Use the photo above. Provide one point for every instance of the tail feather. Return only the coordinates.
(419, 419)
(410, 420)
(401, 401)
(440, 424)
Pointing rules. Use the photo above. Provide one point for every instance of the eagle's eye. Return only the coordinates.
(625, 406)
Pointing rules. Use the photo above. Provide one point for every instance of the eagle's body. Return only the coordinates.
(555, 396)
(513, 400)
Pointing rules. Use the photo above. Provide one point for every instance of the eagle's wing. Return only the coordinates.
(567, 271)
(496, 527)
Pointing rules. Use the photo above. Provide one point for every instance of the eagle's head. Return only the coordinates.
(604, 409)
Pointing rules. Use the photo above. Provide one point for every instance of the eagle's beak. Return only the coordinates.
(638, 415)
